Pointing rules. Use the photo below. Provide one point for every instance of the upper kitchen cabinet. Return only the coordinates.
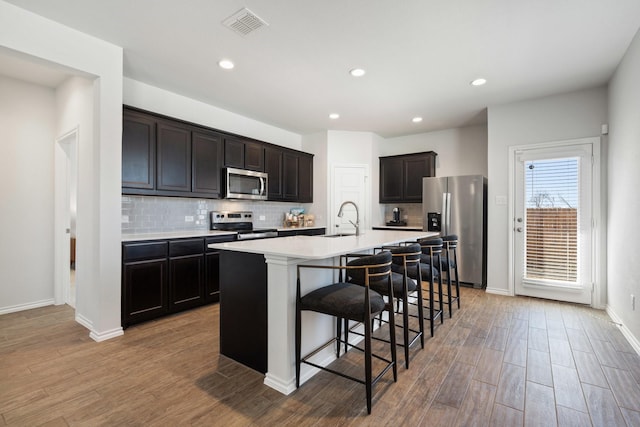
(290, 175)
(173, 157)
(206, 163)
(138, 153)
(162, 156)
(305, 178)
(243, 154)
(401, 176)
(273, 167)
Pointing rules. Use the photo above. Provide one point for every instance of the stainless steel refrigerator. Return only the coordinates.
(458, 205)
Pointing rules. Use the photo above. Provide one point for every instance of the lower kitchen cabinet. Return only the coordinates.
(167, 276)
(186, 274)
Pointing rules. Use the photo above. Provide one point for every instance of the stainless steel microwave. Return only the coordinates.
(245, 184)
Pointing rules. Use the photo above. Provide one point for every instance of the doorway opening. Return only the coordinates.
(65, 213)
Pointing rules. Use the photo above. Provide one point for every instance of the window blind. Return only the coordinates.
(551, 217)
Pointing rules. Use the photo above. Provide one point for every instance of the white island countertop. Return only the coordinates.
(322, 247)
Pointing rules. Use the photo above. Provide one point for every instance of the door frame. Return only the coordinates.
(65, 145)
(598, 243)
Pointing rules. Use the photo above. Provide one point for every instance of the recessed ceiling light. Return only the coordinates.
(357, 72)
(226, 64)
(478, 82)
(416, 119)
(334, 116)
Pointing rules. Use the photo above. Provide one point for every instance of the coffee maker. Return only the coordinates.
(396, 219)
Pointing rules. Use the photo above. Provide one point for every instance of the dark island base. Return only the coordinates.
(243, 308)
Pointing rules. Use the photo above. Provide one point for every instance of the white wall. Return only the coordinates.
(151, 98)
(623, 200)
(317, 145)
(555, 118)
(27, 129)
(461, 151)
(74, 110)
(100, 222)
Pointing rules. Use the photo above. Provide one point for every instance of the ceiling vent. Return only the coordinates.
(244, 22)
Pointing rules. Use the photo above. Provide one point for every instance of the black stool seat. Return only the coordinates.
(343, 300)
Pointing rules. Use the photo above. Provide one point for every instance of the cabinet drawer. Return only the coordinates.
(144, 250)
(186, 247)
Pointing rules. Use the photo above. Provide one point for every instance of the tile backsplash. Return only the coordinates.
(409, 212)
(151, 214)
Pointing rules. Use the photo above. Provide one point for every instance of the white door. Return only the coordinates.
(349, 184)
(553, 222)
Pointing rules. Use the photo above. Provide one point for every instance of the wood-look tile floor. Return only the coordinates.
(499, 361)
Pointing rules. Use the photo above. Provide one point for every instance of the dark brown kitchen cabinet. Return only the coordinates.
(144, 281)
(305, 178)
(290, 162)
(273, 167)
(186, 273)
(161, 277)
(401, 176)
(243, 154)
(173, 158)
(206, 163)
(138, 151)
(290, 175)
(162, 156)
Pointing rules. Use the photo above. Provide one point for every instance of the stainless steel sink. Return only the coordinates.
(339, 235)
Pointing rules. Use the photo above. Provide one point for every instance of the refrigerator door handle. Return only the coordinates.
(447, 224)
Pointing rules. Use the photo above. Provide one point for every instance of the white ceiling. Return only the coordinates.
(420, 55)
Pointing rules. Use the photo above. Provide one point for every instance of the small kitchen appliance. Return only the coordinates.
(396, 218)
(240, 222)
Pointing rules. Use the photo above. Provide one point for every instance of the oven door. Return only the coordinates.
(244, 184)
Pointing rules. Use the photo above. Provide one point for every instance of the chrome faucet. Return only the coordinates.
(357, 223)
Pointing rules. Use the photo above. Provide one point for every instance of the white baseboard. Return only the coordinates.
(498, 291)
(635, 343)
(106, 335)
(84, 321)
(27, 306)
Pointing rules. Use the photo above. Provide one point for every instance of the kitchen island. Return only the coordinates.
(257, 297)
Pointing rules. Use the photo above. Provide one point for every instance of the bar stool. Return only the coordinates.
(449, 266)
(431, 270)
(403, 287)
(354, 302)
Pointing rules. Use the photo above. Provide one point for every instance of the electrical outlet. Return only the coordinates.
(262, 218)
(633, 302)
(188, 218)
(125, 219)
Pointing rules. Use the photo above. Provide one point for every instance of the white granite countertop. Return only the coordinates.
(196, 233)
(321, 247)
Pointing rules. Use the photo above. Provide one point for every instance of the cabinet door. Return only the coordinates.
(234, 153)
(415, 168)
(144, 290)
(305, 178)
(254, 156)
(174, 158)
(206, 163)
(391, 179)
(290, 175)
(138, 151)
(273, 166)
(186, 282)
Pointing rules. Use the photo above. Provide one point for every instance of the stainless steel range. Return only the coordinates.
(241, 222)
